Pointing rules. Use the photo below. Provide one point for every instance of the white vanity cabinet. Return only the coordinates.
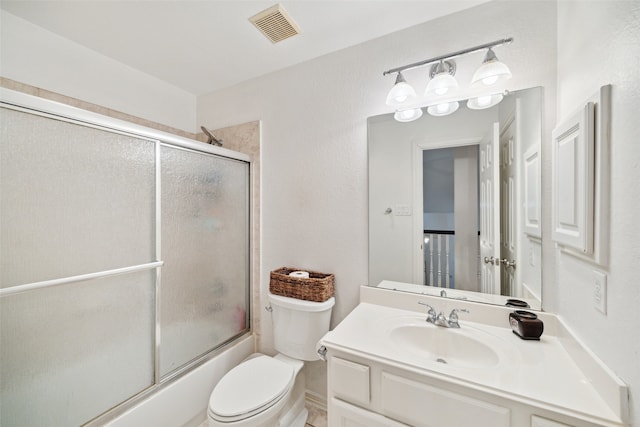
(364, 391)
(346, 415)
(388, 367)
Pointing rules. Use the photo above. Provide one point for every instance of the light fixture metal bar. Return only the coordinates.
(449, 55)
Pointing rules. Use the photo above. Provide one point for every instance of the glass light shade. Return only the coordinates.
(443, 109)
(400, 93)
(490, 73)
(441, 84)
(408, 115)
(485, 101)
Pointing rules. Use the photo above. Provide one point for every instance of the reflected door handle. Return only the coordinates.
(509, 264)
(491, 260)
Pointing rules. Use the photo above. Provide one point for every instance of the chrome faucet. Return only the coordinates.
(439, 319)
(453, 317)
(431, 314)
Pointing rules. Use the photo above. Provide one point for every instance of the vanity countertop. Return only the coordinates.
(540, 372)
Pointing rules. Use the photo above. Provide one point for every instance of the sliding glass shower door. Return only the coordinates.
(123, 259)
(205, 248)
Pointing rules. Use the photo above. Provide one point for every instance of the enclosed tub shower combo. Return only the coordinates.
(124, 261)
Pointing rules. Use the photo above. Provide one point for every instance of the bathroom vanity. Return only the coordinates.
(387, 366)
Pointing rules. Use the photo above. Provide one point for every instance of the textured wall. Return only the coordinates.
(32, 55)
(314, 135)
(607, 50)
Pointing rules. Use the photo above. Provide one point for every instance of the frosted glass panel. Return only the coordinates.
(204, 287)
(73, 199)
(74, 351)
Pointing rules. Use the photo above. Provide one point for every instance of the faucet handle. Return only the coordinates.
(425, 304)
(431, 313)
(453, 317)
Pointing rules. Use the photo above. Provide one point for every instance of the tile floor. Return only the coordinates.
(317, 415)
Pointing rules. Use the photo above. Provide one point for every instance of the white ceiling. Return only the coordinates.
(202, 46)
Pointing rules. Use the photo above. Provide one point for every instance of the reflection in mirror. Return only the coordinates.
(454, 202)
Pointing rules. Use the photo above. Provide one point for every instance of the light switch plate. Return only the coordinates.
(402, 210)
(600, 291)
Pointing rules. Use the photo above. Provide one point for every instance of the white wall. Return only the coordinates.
(32, 55)
(314, 132)
(607, 50)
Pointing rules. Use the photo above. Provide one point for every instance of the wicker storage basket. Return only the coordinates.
(319, 287)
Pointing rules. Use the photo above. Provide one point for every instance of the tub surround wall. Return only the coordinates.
(314, 137)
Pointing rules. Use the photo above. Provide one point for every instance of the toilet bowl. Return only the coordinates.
(258, 392)
(265, 391)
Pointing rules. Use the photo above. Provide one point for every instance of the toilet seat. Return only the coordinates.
(250, 388)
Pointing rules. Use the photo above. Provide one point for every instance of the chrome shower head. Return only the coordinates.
(210, 138)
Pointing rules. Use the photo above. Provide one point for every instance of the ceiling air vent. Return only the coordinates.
(275, 23)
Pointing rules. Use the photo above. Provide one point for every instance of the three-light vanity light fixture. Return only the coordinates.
(443, 85)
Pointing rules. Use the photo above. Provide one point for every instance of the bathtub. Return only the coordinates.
(184, 401)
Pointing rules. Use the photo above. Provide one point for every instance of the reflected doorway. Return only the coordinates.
(450, 194)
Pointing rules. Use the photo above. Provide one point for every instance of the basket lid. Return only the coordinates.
(301, 305)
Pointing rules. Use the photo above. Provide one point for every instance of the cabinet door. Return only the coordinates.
(350, 381)
(422, 405)
(572, 181)
(342, 414)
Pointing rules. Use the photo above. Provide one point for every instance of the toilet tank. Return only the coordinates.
(298, 325)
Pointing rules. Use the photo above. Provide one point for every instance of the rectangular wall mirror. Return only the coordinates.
(455, 204)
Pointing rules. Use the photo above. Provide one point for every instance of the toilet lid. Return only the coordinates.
(251, 385)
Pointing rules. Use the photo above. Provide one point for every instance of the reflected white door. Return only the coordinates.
(508, 207)
(490, 212)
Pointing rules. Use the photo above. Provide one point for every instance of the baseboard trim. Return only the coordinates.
(316, 400)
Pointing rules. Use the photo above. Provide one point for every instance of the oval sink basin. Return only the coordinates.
(455, 347)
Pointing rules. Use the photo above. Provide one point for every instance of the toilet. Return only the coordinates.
(265, 391)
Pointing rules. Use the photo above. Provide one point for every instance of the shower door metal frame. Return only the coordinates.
(19, 101)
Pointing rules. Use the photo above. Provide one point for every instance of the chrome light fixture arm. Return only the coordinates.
(449, 55)
(442, 74)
